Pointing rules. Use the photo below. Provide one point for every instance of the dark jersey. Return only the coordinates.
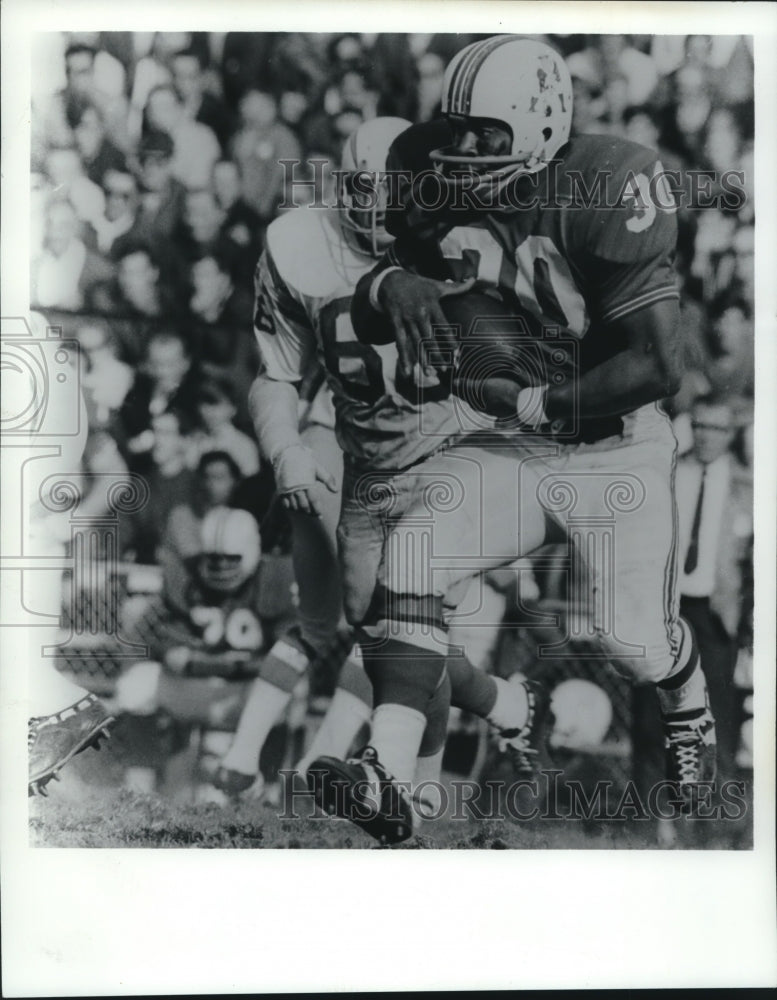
(582, 243)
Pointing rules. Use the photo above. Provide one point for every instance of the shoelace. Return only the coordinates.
(687, 756)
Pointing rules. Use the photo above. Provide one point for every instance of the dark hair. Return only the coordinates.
(635, 110)
(130, 247)
(727, 299)
(714, 400)
(211, 457)
(216, 389)
(79, 48)
(225, 257)
(189, 52)
(167, 335)
(162, 87)
(76, 108)
(185, 421)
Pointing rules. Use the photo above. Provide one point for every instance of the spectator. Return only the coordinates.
(66, 272)
(168, 380)
(715, 506)
(431, 69)
(169, 482)
(195, 147)
(220, 327)
(732, 368)
(217, 475)
(257, 149)
(98, 154)
(81, 86)
(137, 291)
(121, 213)
(106, 380)
(216, 409)
(241, 225)
(162, 196)
(199, 104)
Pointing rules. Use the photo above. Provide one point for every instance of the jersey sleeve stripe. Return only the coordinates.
(640, 302)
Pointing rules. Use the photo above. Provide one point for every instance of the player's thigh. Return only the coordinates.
(625, 532)
(360, 536)
(473, 509)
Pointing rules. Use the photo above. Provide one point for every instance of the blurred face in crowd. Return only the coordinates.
(218, 482)
(732, 330)
(721, 145)
(164, 110)
(258, 110)
(121, 194)
(187, 77)
(167, 362)
(226, 183)
(745, 257)
(216, 414)
(61, 227)
(642, 129)
(353, 90)
(203, 216)
(63, 166)
(156, 171)
(89, 134)
(431, 69)
(138, 278)
(211, 287)
(691, 83)
(79, 71)
(169, 443)
(713, 431)
(697, 49)
(293, 106)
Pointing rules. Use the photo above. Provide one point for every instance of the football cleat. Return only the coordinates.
(691, 755)
(53, 740)
(523, 746)
(362, 791)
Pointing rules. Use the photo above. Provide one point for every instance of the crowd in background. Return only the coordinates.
(155, 174)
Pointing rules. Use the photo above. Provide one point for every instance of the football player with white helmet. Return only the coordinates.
(212, 634)
(311, 264)
(580, 234)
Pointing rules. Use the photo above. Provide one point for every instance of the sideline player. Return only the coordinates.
(518, 217)
(306, 278)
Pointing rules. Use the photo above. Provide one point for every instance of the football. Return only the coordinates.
(494, 340)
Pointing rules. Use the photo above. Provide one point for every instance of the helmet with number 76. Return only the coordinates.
(520, 83)
(231, 549)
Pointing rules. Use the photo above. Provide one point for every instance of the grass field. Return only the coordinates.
(89, 809)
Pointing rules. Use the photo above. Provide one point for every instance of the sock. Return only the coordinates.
(511, 708)
(268, 698)
(427, 794)
(685, 689)
(343, 720)
(436, 719)
(265, 705)
(397, 732)
(472, 690)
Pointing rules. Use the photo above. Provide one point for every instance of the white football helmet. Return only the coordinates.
(583, 714)
(231, 549)
(519, 82)
(362, 183)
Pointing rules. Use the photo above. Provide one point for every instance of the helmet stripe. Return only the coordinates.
(467, 71)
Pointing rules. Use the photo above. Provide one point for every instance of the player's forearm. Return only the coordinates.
(619, 385)
(370, 324)
(274, 411)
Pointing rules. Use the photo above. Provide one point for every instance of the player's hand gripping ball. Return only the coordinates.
(499, 351)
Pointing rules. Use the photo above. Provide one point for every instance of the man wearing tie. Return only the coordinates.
(715, 508)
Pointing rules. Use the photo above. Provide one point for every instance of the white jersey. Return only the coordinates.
(304, 284)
